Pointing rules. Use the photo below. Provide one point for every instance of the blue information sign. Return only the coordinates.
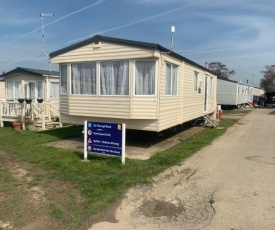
(104, 134)
(104, 142)
(105, 138)
(105, 150)
(104, 126)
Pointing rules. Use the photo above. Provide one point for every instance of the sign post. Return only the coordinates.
(104, 138)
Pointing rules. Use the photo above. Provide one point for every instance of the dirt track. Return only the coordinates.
(227, 185)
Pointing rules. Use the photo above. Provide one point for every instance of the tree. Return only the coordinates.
(221, 70)
(268, 80)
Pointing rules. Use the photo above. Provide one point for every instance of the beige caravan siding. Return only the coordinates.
(193, 102)
(105, 51)
(114, 107)
(24, 77)
(257, 91)
(147, 125)
(212, 94)
(2, 90)
(64, 104)
(170, 106)
(144, 108)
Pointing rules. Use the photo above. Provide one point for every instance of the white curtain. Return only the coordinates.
(10, 89)
(175, 80)
(168, 79)
(83, 79)
(40, 89)
(63, 80)
(114, 78)
(196, 81)
(17, 89)
(145, 77)
(54, 90)
(171, 79)
(32, 89)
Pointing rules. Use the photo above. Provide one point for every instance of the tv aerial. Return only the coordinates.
(173, 29)
(43, 33)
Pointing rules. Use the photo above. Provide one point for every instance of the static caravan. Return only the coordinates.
(258, 91)
(233, 93)
(2, 90)
(143, 85)
(31, 83)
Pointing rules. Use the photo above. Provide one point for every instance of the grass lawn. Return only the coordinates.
(74, 190)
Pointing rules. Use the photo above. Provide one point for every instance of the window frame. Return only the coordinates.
(38, 88)
(61, 91)
(8, 91)
(155, 78)
(196, 82)
(211, 85)
(172, 67)
(99, 77)
(50, 89)
(95, 78)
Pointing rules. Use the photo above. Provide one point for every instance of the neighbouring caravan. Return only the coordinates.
(258, 91)
(31, 83)
(143, 85)
(2, 90)
(233, 93)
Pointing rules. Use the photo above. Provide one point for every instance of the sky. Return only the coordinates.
(237, 33)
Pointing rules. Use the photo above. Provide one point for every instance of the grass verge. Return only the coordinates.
(101, 180)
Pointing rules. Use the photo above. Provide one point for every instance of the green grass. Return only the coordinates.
(237, 111)
(101, 180)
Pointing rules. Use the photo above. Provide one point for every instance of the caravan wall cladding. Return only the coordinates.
(233, 93)
(159, 91)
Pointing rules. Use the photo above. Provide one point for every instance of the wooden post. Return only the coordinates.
(43, 117)
(31, 115)
(23, 114)
(60, 121)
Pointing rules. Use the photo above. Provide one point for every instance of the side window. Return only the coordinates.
(211, 86)
(63, 80)
(196, 81)
(171, 79)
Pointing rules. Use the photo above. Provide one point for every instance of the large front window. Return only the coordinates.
(83, 78)
(145, 79)
(171, 79)
(114, 78)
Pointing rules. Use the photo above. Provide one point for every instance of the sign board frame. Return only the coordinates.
(104, 138)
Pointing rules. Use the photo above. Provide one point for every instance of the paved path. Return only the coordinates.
(229, 185)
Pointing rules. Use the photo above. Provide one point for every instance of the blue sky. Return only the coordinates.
(238, 33)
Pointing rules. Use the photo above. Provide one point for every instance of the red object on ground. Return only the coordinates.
(220, 114)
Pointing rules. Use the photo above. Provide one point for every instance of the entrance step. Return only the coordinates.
(209, 120)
